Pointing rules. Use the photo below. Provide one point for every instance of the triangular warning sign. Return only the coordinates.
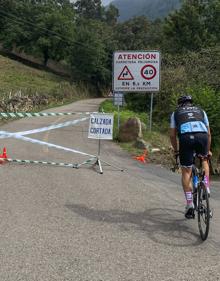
(125, 74)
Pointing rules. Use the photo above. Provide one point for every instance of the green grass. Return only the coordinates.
(154, 139)
(124, 114)
(108, 106)
(157, 138)
(15, 76)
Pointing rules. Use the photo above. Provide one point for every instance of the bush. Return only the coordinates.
(209, 100)
(124, 114)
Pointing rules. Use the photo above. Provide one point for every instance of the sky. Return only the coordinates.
(106, 2)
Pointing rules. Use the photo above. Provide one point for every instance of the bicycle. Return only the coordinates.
(200, 197)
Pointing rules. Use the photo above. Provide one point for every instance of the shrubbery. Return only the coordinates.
(194, 73)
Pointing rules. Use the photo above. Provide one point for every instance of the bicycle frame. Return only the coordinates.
(201, 199)
(197, 176)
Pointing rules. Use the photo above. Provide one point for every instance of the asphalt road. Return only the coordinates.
(59, 223)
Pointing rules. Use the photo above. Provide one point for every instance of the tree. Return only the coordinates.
(209, 100)
(111, 15)
(213, 21)
(133, 34)
(53, 32)
(6, 6)
(14, 28)
(88, 57)
(186, 28)
(45, 29)
(89, 9)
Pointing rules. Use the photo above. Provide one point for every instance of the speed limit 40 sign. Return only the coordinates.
(136, 71)
(148, 72)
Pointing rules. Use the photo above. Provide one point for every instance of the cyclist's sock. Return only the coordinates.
(207, 184)
(189, 198)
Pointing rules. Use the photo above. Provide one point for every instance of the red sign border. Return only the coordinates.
(148, 65)
(125, 67)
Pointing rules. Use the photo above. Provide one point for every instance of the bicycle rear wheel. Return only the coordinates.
(203, 211)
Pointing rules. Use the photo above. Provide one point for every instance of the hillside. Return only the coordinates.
(15, 76)
(26, 88)
(151, 9)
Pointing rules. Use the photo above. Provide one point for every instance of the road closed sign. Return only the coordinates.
(101, 126)
(136, 71)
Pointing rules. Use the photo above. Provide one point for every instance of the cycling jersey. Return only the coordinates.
(189, 119)
(192, 125)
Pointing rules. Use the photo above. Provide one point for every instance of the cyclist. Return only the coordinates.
(190, 124)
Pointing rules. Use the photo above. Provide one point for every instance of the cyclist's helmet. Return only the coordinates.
(184, 99)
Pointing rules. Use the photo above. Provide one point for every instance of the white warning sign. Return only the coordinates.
(136, 71)
(101, 126)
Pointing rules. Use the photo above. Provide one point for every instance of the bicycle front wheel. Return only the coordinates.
(203, 211)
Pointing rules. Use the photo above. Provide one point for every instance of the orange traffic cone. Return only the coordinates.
(3, 156)
(142, 158)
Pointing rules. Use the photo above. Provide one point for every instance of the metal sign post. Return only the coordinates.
(118, 118)
(151, 111)
(118, 100)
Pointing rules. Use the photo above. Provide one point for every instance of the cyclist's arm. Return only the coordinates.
(209, 139)
(173, 139)
(209, 132)
(173, 133)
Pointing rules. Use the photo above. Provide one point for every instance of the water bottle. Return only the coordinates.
(195, 181)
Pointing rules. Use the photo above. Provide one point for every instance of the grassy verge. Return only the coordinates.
(154, 139)
(18, 79)
(123, 114)
(15, 76)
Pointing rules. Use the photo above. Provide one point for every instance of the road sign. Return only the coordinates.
(118, 98)
(101, 126)
(136, 71)
(125, 74)
(148, 72)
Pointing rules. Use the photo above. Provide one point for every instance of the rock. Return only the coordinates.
(141, 144)
(130, 130)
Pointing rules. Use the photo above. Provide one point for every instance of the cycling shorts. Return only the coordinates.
(190, 144)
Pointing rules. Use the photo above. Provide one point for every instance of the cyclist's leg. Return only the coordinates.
(202, 149)
(187, 184)
(206, 176)
(186, 160)
(187, 187)
(186, 144)
(186, 178)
